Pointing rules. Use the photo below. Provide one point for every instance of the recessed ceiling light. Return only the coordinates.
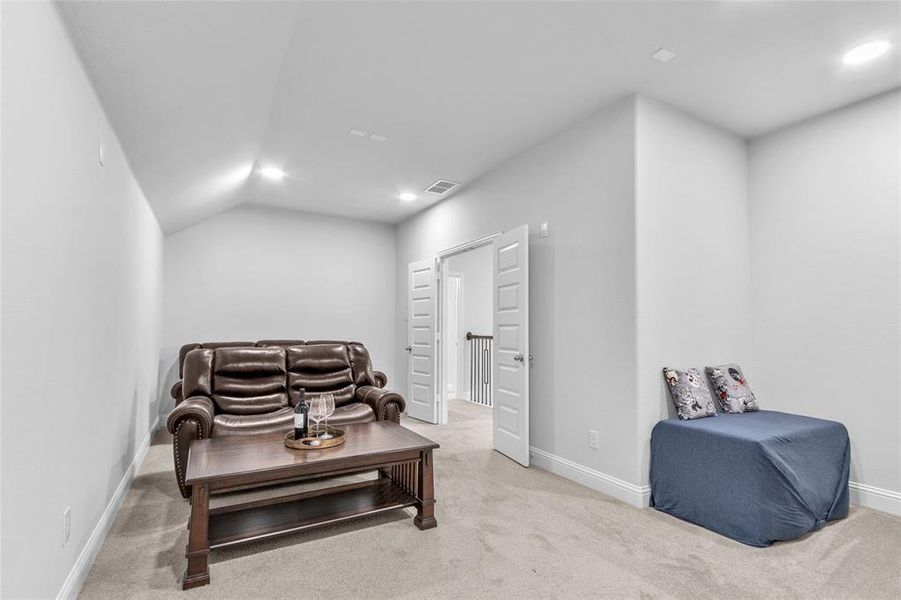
(663, 55)
(375, 137)
(866, 52)
(408, 196)
(273, 173)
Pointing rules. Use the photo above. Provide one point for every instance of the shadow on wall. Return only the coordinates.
(542, 344)
(129, 447)
(667, 408)
(168, 376)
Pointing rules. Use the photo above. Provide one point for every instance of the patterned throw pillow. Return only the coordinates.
(690, 393)
(732, 389)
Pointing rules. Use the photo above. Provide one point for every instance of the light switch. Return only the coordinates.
(100, 155)
(542, 230)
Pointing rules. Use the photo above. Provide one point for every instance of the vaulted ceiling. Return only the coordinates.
(203, 94)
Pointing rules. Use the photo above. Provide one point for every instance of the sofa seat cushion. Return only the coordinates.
(279, 420)
(283, 420)
(354, 412)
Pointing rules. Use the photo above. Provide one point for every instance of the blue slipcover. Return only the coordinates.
(757, 477)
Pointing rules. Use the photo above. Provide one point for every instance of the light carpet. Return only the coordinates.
(503, 532)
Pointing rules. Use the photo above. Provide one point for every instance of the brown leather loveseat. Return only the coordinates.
(176, 391)
(253, 389)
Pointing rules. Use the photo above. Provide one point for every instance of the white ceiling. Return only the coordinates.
(199, 92)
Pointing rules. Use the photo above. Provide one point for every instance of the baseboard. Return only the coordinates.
(629, 493)
(875, 498)
(85, 560)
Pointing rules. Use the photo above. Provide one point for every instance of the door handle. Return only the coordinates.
(518, 357)
(409, 348)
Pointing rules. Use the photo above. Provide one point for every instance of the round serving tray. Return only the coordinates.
(315, 443)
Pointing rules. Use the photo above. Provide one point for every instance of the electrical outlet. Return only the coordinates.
(594, 439)
(67, 524)
(542, 230)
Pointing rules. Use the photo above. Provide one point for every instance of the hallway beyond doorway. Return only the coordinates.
(467, 312)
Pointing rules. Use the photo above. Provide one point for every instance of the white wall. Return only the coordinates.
(693, 268)
(1, 317)
(81, 295)
(825, 274)
(475, 268)
(254, 272)
(582, 296)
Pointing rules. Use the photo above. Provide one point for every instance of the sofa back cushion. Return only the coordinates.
(249, 381)
(321, 368)
(360, 363)
(198, 373)
(183, 353)
(280, 343)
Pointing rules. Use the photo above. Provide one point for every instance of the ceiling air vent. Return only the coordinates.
(441, 187)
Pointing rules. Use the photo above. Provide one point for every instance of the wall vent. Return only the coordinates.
(441, 186)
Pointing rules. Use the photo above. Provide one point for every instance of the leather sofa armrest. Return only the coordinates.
(199, 408)
(381, 380)
(386, 404)
(191, 420)
(175, 392)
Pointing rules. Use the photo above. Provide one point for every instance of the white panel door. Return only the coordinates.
(511, 344)
(421, 309)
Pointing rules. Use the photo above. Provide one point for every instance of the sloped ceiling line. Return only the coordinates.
(198, 92)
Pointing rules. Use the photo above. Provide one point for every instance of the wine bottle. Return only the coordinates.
(300, 416)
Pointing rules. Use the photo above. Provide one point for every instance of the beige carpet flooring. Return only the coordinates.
(503, 532)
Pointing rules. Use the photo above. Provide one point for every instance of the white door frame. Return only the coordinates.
(442, 270)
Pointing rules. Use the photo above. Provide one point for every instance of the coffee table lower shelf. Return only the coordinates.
(402, 458)
(269, 518)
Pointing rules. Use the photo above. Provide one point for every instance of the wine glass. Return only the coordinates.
(329, 401)
(317, 410)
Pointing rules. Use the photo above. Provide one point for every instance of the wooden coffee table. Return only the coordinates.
(230, 463)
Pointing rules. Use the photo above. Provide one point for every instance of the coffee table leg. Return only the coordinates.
(198, 573)
(425, 493)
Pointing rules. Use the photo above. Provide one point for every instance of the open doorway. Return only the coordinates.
(508, 354)
(467, 333)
